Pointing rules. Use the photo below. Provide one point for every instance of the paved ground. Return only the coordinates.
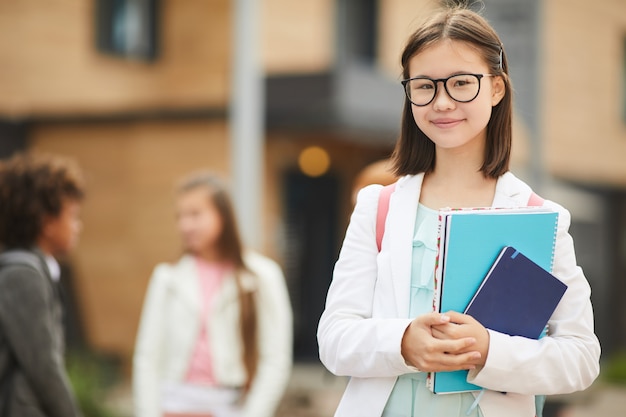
(314, 392)
(603, 401)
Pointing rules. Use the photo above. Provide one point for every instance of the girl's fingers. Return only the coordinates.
(433, 319)
(454, 346)
(459, 318)
(448, 362)
(426, 346)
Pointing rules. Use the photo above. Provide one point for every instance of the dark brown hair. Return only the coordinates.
(33, 187)
(415, 152)
(231, 251)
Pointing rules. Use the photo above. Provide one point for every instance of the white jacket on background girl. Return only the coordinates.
(170, 325)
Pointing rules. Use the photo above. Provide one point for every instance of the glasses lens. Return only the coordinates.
(463, 87)
(420, 91)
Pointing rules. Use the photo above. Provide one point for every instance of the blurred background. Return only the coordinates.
(292, 101)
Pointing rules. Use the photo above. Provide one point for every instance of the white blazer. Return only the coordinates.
(170, 325)
(361, 329)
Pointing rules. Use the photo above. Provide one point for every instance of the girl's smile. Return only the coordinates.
(446, 123)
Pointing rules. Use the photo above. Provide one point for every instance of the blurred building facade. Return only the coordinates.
(138, 91)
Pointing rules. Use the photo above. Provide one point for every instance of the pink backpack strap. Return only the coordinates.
(381, 214)
(383, 207)
(534, 200)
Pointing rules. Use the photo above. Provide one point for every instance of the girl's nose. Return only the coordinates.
(442, 100)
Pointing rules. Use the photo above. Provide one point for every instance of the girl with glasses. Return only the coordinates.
(453, 151)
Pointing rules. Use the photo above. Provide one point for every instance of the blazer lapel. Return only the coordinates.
(185, 282)
(399, 234)
(508, 192)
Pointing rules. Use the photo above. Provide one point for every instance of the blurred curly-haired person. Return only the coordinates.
(40, 199)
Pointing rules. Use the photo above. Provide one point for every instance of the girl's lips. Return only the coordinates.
(446, 123)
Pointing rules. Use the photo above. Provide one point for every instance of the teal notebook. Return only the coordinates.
(469, 243)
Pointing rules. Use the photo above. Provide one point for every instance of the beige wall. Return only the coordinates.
(397, 20)
(128, 215)
(50, 64)
(297, 36)
(583, 63)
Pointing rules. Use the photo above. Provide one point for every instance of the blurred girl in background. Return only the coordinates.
(215, 332)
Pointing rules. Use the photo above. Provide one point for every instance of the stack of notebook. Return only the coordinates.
(495, 264)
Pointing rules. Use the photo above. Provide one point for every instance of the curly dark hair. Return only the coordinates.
(32, 187)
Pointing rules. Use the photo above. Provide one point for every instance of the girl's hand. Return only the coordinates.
(423, 350)
(462, 326)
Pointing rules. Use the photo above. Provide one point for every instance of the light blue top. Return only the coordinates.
(410, 396)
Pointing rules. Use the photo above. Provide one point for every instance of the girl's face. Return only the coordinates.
(448, 123)
(199, 221)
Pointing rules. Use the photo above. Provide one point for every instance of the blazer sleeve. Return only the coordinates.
(26, 303)
(566, 360)
(275, 340)
(147, 356)
(351, 341)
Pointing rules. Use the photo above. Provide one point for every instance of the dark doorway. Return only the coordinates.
(310, 253)
(615, 325)
(12, 137)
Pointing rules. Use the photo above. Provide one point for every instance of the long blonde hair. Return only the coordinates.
(231, 250)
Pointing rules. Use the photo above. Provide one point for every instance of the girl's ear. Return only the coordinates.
(498, 89)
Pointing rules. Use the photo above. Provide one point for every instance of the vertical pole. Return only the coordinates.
(538, 173)
(246, 121)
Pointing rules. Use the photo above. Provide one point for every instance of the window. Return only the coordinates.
(358, 28)
(366, 29)
(128, 28)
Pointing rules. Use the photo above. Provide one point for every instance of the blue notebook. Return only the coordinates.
(517, 297)
(469, 243)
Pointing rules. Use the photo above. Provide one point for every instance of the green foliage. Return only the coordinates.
(91, 375)
(614, 370)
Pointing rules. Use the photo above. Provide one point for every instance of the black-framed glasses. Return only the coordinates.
(463, 88)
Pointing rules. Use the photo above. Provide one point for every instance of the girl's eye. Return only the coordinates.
(462, 81)
(421, 85)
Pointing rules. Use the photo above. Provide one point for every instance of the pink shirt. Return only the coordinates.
(210, 276)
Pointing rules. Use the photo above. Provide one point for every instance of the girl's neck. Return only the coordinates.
(461, 163)
(457, 181)
(458, 168)
(209, 255)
